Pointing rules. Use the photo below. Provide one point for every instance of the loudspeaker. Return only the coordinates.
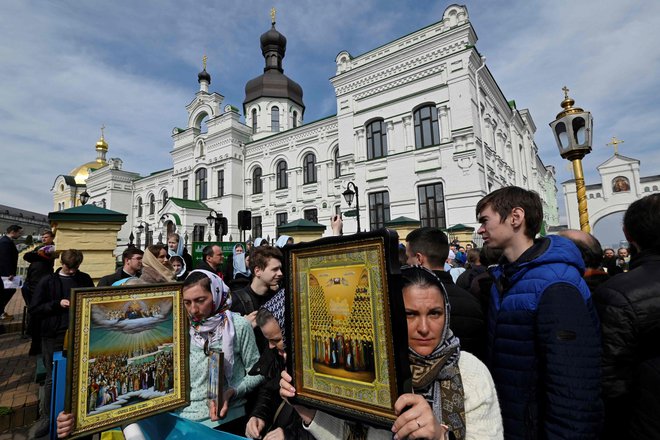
(244, 220)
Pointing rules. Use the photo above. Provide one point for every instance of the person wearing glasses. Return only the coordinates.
(453, 392)
(132, 259)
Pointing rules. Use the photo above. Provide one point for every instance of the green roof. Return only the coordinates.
(459, 227)
(87, 213)
(189, 204)
(402, 221)
(301, 224)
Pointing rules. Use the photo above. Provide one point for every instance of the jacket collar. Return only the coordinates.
(643, 257)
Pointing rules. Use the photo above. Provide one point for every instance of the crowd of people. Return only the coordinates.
(525, 337)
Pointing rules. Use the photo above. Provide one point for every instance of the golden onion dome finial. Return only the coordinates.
(272, 16)
(101, 144)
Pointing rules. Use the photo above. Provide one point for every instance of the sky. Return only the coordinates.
(68, 67)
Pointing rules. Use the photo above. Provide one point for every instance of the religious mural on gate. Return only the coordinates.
(620, 184)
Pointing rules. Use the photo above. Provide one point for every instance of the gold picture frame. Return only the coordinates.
(348, 350)
(127, 355)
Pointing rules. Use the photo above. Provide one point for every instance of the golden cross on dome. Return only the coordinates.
(272, 15)
(615, 143)
(204, 58)
(102, 128)
(565, 89)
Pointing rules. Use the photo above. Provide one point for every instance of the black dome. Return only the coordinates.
(204, 76)
(273, 83)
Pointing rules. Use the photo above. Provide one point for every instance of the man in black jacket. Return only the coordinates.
(429, 247)
(50, 306)
(132, 258)
(8, 265)
(629, 309)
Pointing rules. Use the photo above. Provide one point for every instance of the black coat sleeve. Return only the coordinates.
(568, 341)
(44, 304)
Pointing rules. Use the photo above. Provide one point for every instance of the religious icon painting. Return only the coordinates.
(348, 352)
(216, 378)
(127, 355)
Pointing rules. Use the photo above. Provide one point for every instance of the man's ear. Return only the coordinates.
(625, 234)
(517, 217)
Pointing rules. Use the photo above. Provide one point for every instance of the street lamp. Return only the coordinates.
(84, 198)
(348, 196)
(140, 229)
(219, 224)
(572, 130)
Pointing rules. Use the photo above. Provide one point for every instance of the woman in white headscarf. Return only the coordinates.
(283, 240)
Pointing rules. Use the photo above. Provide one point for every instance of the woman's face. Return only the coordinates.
(198, 302)
(272, 332)
(425, 313)
(176, 264)
(162, 256)
(238, 249)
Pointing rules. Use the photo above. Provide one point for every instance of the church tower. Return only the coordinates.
(273, 102)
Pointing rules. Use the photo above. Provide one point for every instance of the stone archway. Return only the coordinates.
(608, 229)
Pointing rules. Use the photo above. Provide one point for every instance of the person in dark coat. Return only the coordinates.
(50, 306)
(429, 247)
(131, 267)
(629, 309)
(212, 259)
(8, 266)
(42, 260)
(544, 339)
(474, 269)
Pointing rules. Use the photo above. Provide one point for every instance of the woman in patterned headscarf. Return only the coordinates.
(207, 301)
(453, 390)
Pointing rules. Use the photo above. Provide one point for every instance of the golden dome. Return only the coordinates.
(81, 173)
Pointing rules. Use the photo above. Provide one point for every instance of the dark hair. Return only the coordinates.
(504, 200)
(419, 276)
(641, 223)
(430, 242)
(155, 249)
(48, 232)
(608, 249)
(489, 255)
(208, 251)
(473, 255)
(196, 278)
(72, 258)
(14, 228)
(260, 255)
(263, 316)
(130, 252)
(177, 258)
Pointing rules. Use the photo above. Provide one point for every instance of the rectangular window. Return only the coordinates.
(432, 205)
(184, 193)
(312, 215)
(257, 230)
(281, 219)
(221, 183)
(379, 209)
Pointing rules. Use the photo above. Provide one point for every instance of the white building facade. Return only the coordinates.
(422, 129)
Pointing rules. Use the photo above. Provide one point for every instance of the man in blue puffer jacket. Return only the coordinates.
(544, 340)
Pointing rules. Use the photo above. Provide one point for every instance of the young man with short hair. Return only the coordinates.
(131, 267)
(266, 266)
(543, 329)
(50, 306)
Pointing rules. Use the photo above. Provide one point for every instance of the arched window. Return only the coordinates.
(309, 168)
(152, 204)
(655, 187)
(427, 131)
(200, 184)
(275, 119)
(257, 184)
(337, 164)
(295, 119)
(166, 197)
(254, 120)
(282, 179)
(376, 140)
(139, 207)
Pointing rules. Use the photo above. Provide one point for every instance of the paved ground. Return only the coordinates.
(18, 391)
